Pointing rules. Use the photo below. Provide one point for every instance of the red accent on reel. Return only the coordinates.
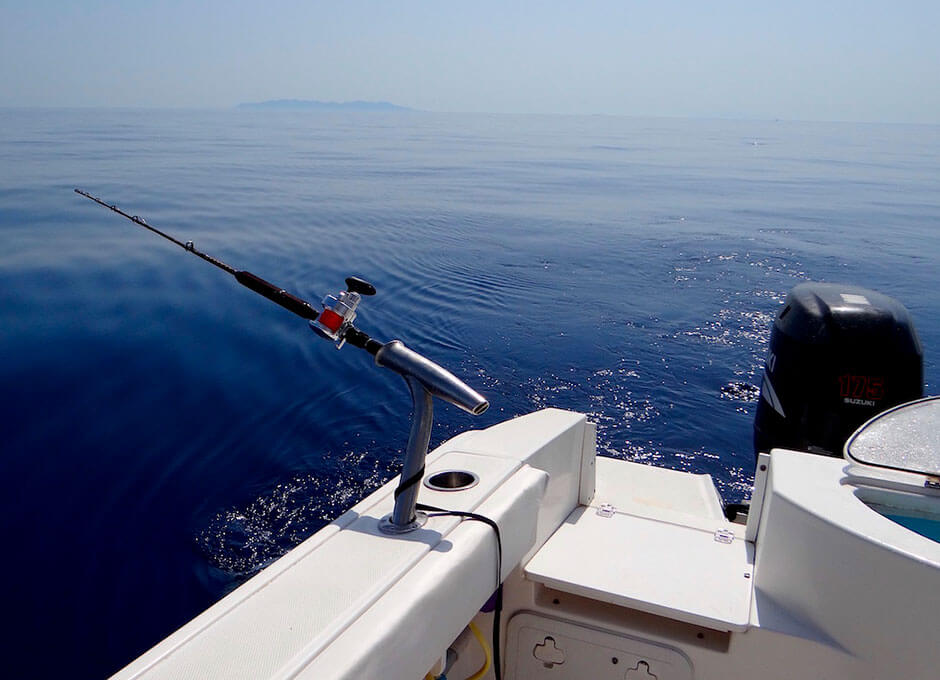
(331, 320)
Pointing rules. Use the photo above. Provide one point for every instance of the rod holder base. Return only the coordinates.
(386, 526)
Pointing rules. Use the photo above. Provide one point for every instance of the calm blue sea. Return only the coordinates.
(165, 432)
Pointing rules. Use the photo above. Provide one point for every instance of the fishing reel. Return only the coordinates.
(335, 322)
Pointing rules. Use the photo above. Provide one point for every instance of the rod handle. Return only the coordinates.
(277, 295)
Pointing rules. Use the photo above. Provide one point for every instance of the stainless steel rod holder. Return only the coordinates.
(425, 380)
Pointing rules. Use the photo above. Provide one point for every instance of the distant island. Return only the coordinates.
(314, 105)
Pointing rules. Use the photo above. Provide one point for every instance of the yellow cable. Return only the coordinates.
(486, 651)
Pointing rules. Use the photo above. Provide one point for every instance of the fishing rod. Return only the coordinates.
(334, 322)
(425, 380)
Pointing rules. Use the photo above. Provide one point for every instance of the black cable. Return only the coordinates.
(498, 605)
(410, 482)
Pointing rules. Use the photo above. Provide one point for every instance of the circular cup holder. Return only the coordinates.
(451, 480)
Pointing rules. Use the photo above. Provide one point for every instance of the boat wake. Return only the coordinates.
(244, 539)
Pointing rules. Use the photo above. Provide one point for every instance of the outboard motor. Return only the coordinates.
(838, 356)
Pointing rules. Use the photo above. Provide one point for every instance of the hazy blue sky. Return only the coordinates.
(820, 60)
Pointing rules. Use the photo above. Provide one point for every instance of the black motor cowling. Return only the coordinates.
(838, 356)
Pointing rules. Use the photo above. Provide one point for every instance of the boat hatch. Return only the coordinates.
(903, 439)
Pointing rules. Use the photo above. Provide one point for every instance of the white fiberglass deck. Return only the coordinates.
(636, 572)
